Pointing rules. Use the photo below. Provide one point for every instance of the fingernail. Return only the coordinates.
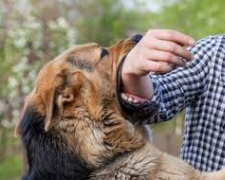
(191, 41)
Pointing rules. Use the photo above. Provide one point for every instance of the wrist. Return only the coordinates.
(140, 86)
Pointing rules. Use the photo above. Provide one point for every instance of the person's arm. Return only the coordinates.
(177, 89)
(158, 51)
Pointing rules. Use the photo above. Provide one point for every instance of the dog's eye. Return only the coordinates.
(104, 53)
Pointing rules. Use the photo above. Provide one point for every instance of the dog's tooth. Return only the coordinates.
(124, 96)
(135, 101)
(130, 99)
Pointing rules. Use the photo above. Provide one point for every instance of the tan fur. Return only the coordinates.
(76, 93)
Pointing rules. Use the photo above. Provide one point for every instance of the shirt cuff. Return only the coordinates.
(159, 99)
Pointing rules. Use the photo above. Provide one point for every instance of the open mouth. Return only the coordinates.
(132, 98)
(137, 109)
(129, 98)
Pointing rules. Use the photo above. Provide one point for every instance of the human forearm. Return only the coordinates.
(140, 86)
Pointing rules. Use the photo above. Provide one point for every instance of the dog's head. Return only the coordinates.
(75, 100)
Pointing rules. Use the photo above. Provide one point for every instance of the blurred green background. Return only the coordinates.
(32, 32)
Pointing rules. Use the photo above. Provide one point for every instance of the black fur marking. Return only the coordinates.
(49, 157)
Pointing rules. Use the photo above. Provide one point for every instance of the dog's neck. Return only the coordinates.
(138, 163)
(146, 163)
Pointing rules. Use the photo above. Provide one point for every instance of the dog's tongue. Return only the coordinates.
(132, 98)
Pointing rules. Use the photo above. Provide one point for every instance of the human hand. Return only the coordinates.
(159, 51)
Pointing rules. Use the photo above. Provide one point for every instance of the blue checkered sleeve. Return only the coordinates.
(178, 89)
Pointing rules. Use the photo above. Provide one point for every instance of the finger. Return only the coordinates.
(172, 35)
(171, 47)
(163, 56)
(158, 67)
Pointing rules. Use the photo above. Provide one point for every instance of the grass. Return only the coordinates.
(11, 168)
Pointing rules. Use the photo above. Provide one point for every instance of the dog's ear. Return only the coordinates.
(68, 85)
(53, 108)
(50, 102)
(17, 130)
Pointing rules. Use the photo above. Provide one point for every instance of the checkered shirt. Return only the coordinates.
(200, 88)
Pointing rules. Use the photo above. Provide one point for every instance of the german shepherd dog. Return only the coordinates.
(74, 127)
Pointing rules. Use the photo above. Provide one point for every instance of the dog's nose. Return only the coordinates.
(136, 38)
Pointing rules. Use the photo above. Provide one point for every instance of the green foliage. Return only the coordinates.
(107, 22)
(196, 17)
(11, 168)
